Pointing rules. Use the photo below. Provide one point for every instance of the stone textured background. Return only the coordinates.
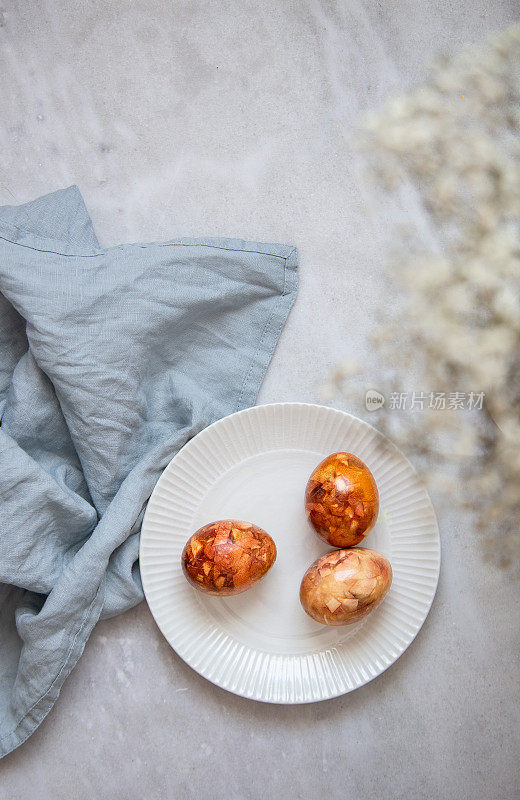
(233, 118)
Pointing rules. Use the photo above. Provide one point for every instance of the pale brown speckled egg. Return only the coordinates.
(344, 586)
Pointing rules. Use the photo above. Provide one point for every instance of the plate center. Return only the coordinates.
(268, 490)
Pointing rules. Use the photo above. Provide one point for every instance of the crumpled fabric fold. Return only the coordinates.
(110, 360)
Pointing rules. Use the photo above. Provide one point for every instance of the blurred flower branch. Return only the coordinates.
(456, 140)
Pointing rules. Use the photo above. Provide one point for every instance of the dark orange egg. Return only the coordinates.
(227, 557)
(341, 500)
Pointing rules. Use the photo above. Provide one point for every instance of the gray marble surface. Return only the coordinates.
(233, 118)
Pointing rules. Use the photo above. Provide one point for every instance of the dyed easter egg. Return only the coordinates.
(344, 586)
(341, 500)
(227, 557)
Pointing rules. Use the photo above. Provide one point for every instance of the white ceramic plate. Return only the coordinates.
(254, 465)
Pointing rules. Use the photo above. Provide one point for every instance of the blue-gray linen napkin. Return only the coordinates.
(110, 360)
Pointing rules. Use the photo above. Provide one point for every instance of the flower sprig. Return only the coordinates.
(456, 139)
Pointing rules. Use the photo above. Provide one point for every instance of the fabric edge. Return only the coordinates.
(22, 224)
(37, 713)
(271, 334)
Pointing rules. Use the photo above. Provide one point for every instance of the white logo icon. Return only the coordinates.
(373, 400)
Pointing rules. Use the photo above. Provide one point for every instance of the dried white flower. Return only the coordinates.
(457, 140)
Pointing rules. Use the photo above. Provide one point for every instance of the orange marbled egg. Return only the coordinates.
(341, 500)
(227, 557)
(344, 586)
